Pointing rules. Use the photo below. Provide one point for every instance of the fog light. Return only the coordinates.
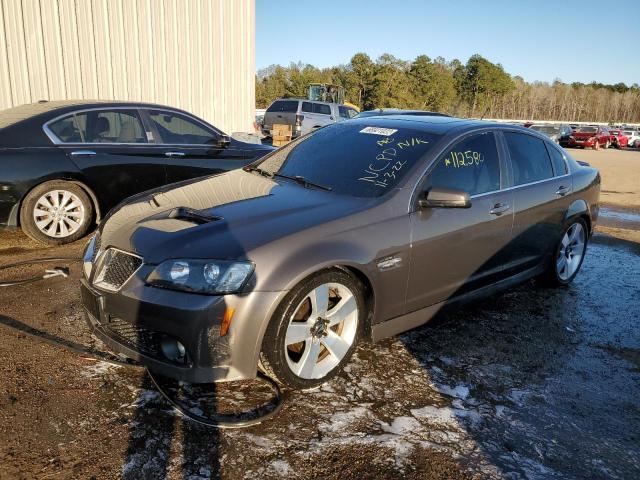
(173, 350)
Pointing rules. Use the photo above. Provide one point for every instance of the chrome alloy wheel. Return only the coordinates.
(571, 251)
(59, 213)
(321, 331)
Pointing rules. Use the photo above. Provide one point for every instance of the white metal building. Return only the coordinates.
(198, 55)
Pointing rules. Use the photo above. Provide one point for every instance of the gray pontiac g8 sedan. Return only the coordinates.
(356, 232)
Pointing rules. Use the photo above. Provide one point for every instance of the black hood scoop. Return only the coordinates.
(194, 216)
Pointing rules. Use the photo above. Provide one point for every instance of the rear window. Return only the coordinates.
(283, 106)
(529, 158)
(354, 159)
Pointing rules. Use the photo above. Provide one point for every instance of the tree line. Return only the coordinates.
(478, 88)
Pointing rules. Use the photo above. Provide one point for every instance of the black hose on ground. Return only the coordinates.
(48, 273)
(226, 421)
(216, 421)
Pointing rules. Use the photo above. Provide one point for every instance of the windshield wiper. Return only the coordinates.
(259, 170)
(302, 181)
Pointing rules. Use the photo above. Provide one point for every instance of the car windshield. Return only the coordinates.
(587, 129)
(549, 129)
(353, 159)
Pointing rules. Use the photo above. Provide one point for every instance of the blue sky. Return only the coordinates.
(539, 40)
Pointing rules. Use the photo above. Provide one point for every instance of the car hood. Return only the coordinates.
(222, 217)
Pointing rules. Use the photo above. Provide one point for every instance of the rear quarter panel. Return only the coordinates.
(21, 169)
(586, 193)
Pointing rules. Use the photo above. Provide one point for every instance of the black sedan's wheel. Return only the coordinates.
(313, 333)
(56, 212)
(569, 255)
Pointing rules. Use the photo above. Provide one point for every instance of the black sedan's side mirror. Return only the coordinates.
(438, 197)
(224, 141)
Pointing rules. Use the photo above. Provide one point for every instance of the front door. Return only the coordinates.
(455, 250)
(190, 148)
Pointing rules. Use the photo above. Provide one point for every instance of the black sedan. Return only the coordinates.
(63, 165)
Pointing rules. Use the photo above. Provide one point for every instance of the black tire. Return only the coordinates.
(551, 277)
(596, 145)
(27, 210)
(273, 357)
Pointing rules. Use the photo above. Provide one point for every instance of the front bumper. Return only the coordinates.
(138, 318)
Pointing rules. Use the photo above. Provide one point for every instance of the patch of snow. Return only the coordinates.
(340, 421)
(402, 425)
(282, 468)
(459, 391)
(434, 414)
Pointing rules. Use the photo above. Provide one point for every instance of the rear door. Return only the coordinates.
(113, 150)
(316, 115)
(456, 250)
(541, 187)
(190, 148)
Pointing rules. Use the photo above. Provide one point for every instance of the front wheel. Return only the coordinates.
(569, 255)
(596, 145)
(315, 330)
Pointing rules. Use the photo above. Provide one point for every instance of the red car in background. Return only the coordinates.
(618, 138)
(590, 137)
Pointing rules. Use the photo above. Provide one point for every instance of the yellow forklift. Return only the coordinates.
(326, 92)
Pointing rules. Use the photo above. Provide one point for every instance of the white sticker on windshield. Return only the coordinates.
(385, 132)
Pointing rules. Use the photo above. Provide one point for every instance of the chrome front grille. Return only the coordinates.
(115, 268)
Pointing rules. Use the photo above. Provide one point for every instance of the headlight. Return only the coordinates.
(201, 276)
(88, 256)
(592, 139)
(571, 137)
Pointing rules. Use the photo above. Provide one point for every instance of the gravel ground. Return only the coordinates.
(533, 383)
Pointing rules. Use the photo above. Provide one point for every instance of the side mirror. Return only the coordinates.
(224, 141)
(438, 197)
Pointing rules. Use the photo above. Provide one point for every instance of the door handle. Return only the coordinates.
(174, 154)
(499, 208)
(562, 191)
(79, 153)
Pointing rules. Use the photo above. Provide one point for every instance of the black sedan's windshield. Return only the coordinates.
(353, 158)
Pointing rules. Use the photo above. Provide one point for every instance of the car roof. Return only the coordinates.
(400, 111)
(433, 124)
(17, 114)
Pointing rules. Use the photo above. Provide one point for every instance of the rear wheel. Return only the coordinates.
(569, 255)
(314, 331)
(56, 212)
(607, 144)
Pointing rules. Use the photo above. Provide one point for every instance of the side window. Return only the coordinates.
(321, 108)
(177, 129)
(529, 158)
(471, 165)
(101, 126)
(68, 130)
(559, 165)
(112, 126)
(307, 107)
(346, 112)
